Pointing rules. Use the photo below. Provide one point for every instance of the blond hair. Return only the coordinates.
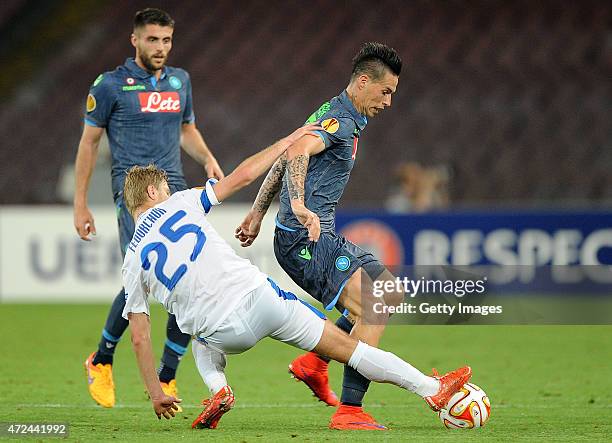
(136, 183)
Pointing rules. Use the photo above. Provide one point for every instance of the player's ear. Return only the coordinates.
(133, 39)
(363, 80)
(152, 192)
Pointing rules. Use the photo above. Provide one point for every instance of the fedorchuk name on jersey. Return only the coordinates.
(143, 117)
(144, 226)
(182, 262)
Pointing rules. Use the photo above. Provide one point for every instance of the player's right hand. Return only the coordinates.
(309, 219)
(165, 406)
(248, 230)
(84, 222)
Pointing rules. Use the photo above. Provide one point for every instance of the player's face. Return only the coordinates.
(376, 94)
(158, 194)
(163, 192)
(153, 44)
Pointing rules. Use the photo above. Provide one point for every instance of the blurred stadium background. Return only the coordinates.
(502, 111)
(497, 149)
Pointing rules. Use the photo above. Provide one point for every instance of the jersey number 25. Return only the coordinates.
(174, 235)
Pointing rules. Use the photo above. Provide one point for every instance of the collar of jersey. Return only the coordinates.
(137, 71)
(360, 119)
(142, 214)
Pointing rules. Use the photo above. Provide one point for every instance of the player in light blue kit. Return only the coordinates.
(226, 303)
(146, 109)
(327, 266)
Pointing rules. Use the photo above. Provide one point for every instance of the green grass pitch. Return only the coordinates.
(546, 383)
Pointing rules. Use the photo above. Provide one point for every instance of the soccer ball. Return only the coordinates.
(468, 408)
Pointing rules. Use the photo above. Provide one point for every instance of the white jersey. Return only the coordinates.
(177, 256)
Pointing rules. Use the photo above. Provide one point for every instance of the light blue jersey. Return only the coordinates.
(329, 170)
(143, 117)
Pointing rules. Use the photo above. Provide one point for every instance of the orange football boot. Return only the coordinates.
(214, 408)
(353, 418)
(450, 383)
(310, 369)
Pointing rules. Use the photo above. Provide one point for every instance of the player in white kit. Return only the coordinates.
(225, 302)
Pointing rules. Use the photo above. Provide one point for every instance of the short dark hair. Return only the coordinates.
(373, 58)
(152, 16)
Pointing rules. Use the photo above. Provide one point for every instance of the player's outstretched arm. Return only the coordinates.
(254, 166)
(248, 230)
(163, 404)
(298, 156)
(83, 168)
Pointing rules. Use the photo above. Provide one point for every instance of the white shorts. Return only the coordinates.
(268, 312)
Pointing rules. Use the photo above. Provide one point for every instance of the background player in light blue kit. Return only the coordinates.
(147, 111)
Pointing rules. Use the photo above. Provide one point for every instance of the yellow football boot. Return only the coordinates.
(100, 382)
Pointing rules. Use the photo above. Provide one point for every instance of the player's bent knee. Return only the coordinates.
(335, 343)
(375, 302)
(394, 297)
(374, 312)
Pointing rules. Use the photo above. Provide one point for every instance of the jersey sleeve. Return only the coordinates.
(337, 130)
(188, 114)
(100, 102)
(203, 198)
(135, 294)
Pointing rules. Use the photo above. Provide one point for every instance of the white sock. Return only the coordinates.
(211, 365)
(385, 367)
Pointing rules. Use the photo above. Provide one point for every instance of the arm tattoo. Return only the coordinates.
(296, 176)
(271, 185)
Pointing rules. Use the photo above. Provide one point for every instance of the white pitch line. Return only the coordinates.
(147, 406)
(284, 406)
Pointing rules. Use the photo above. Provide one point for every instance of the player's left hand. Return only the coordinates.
(165, 406)
(248, 230)
(213, 170)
